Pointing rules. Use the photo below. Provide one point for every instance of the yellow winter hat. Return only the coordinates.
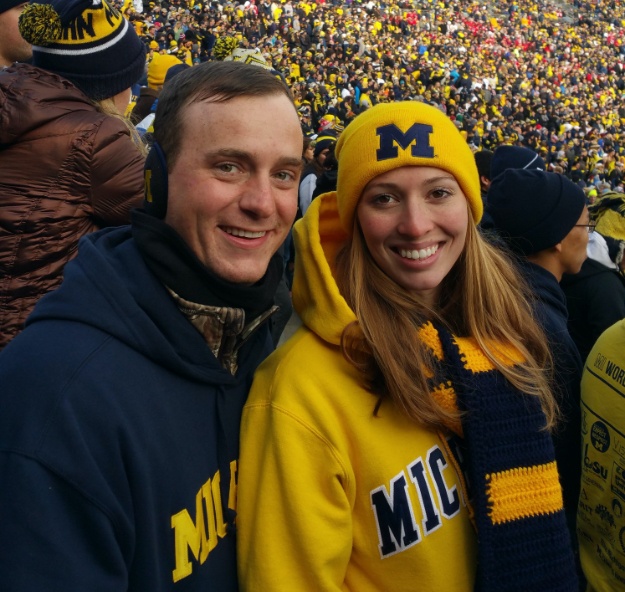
(393, 135)
(609, 214)
(158, 69)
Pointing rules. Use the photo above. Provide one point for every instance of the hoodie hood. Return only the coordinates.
(163, 416)
(597, 249)
(316, 297)
(109, 287)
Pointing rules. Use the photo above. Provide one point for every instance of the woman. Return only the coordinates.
(69, 165)
(308, 151)
(400, 440)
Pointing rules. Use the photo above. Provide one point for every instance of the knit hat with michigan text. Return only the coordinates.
(393, 135)
(88, 42)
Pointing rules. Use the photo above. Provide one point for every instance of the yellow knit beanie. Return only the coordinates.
(157, 70)
(393, 135)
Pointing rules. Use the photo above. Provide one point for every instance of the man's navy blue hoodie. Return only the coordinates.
(118, 437)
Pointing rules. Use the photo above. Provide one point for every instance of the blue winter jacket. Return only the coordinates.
(550, 308)
(118, 437)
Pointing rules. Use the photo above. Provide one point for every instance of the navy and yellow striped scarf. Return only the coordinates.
(515, 493)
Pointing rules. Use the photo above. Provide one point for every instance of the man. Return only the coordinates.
(323, 143)
(13, 48)
(121, 399)
(595, 297)
(483, 158)
(601, 513)
(490, 164)
(543, 219)
(158, 69)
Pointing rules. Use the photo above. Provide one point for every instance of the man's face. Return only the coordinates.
(233, 188)
(573, 245)
(13, 48)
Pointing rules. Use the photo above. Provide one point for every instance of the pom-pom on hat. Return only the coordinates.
(158, 67)
(393, 135)
(227, 49)
(514, 157)
(533, 210)
(89, 42)
(224, 46)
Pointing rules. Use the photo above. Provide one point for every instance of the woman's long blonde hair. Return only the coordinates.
(482, 297)
(108, 107)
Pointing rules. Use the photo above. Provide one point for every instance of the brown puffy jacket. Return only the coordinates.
(65, 170)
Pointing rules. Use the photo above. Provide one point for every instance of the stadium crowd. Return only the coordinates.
(546, 75)
(468, 282)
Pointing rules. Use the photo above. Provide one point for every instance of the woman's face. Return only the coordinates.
(414, 221)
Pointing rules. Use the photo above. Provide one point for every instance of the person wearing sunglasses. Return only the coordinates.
(595, 297)
(543, 219)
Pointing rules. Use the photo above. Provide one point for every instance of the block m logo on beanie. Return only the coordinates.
(417, 135)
